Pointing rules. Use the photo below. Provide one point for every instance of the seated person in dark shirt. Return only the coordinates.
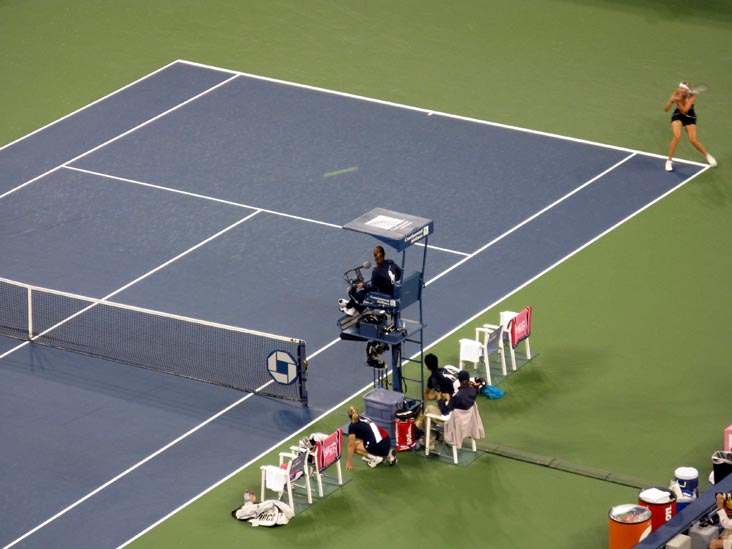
(383, 278)
(439, 380)
(440, 383)
(463, 399)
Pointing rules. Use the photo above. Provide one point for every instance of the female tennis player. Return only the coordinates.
(685, 116)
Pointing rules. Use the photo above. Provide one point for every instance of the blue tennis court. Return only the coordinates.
(220, 196)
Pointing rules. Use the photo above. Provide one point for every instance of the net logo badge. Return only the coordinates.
(282, 367)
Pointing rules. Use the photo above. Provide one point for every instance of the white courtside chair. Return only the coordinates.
(325, 453)
(491, 343)
(275, 479)
(503, 337)
(517, 329)
(280, 479)
(470, 351)
(459, 424)
(505, 319)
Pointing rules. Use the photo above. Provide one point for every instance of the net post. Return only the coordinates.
(302, 363)
(30, 313)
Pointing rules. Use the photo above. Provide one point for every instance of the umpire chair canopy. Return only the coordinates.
(395, 229)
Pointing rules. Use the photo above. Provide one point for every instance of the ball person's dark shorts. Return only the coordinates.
(686, 120)
(380, 449)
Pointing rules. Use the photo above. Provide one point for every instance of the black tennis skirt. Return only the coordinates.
(687, 119)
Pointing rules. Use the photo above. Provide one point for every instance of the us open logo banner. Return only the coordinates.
(282, 367)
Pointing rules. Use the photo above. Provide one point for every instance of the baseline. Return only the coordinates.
(432, 112)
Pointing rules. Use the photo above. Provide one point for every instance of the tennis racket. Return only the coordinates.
(699, 88)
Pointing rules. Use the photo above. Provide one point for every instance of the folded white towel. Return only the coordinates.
(470, 350)
(276, 478)
(654, 495)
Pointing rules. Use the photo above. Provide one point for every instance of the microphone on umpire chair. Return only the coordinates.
(357, 270)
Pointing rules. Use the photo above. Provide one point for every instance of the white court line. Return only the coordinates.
(182, 254)
(439, 249)
(433, 112)
(77, 111)
(342, 94)
(534, 216)
(125, 473)
(568, 256)
(11, 351)
(140, 278)
(231, 203)
(149, 273)
(201, 196)
(153, 119)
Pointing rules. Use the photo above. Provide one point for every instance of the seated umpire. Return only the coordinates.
(385, 275)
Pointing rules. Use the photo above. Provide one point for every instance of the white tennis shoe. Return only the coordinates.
(669, 166)
(375, 461)
(372, 460)
(712, 161)
(344, 308)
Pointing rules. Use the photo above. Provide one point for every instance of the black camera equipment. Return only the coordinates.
(374, 350)
(712, 519)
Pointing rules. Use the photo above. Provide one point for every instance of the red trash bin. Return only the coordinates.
(662, 508)
(405, 430)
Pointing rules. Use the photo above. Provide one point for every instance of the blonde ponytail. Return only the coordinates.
(353, 414)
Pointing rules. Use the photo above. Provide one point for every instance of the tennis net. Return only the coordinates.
(214, 353)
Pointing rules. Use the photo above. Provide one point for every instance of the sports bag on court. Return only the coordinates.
(270, 512)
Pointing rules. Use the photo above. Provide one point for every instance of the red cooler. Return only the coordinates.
(661, 502)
